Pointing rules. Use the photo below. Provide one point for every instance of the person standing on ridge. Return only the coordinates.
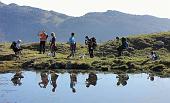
(16, 47)
(72, 43)
(91, 45)
(123, 46)
(43, 38)
(118, 42)
(86, 40)
(52, 44)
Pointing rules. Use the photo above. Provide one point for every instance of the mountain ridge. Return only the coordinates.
(24, 22)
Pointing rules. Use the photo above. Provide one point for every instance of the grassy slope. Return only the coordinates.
(105, 55)
(30, 53)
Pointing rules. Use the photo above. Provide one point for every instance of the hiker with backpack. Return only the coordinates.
(118, 42)
(43, 38)
(53, 44)
(94, 42)
(154, 56)
(86, 40)
(72, 43)
(16, 47)
(91, 45)
(123, 46)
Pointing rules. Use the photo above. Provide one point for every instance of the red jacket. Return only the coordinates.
(43, 36)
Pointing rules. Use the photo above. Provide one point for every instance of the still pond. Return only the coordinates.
(87, 87)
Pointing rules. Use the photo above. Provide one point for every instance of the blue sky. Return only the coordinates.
(159, 8)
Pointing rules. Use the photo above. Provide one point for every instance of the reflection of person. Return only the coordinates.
(54, 77)
(17, 78)
(73, 81)
(91, 80)
(44, 80)
(151, 77)
(122, 79)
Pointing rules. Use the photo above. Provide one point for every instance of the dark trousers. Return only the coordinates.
(120, 50)
(17, 51)
(91, 52)
(72, 49)
(42, 46)
(53, 50)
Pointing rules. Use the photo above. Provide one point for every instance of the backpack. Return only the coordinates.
(13, 45)
(125, 45)
(156, 56)
(94, 42)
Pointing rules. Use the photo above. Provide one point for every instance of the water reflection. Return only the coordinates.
(74, 85)
(53, 82)
(16, 79)
(44, 80)
(91, 80)
(73, 81)
(151, 77)
(51, 77)
(122, 79)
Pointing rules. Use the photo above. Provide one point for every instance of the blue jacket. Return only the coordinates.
(125, 45)
(72, 40)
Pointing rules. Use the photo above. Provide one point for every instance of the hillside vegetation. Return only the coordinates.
(134, 60)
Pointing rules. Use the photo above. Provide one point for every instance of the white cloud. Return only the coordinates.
(158, 8)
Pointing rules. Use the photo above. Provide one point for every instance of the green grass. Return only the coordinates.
(153, 35)
(105, 55)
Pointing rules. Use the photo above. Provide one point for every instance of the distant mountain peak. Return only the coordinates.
(2, 4)
(24, 22)
(107, 13)
(112, 11)
(13, 4)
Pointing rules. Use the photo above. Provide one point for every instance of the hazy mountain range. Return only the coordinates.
(24, 22)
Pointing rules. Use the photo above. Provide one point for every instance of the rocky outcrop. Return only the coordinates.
(55, 65)
(28, 64)
(158, 68)
(138, 43)
(9, 57)
(158, 44)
